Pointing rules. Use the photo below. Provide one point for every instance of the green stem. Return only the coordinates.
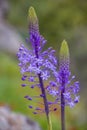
(49, 122)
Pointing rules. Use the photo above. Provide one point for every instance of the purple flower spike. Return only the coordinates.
(69, 93)
(64, 86)
(36, 65)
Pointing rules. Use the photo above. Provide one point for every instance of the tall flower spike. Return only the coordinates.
(64, 87)
(64, 75)
(64, 81)
(37, 66)
(68, 86)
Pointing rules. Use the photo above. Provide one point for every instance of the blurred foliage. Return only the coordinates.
(58, 19)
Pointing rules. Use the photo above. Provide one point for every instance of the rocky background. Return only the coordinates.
(14, 121)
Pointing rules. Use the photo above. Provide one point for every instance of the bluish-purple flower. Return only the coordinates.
(64, 86)
(35, 64)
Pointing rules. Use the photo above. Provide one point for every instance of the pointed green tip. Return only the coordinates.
(32, 14)
(33, 20)
(64, 50)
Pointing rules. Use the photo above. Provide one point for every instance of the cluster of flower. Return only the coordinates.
(38, 66)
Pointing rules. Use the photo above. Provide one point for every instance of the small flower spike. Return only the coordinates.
(64, 84)
(67, 82)
(36, 65)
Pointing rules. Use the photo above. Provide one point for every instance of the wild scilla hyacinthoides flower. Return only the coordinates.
(63, 77)
(36, 40)
(36, 65)
(69, 88)
(66, 88)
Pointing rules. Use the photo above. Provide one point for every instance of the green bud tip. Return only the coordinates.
(64, 50)
(33, 20)
(32, 15)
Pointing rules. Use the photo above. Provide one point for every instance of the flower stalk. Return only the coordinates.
(33, 26)
(62, 110)
(34, 65)
(63, 69)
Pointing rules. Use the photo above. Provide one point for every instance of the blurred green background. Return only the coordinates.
(58, 19)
